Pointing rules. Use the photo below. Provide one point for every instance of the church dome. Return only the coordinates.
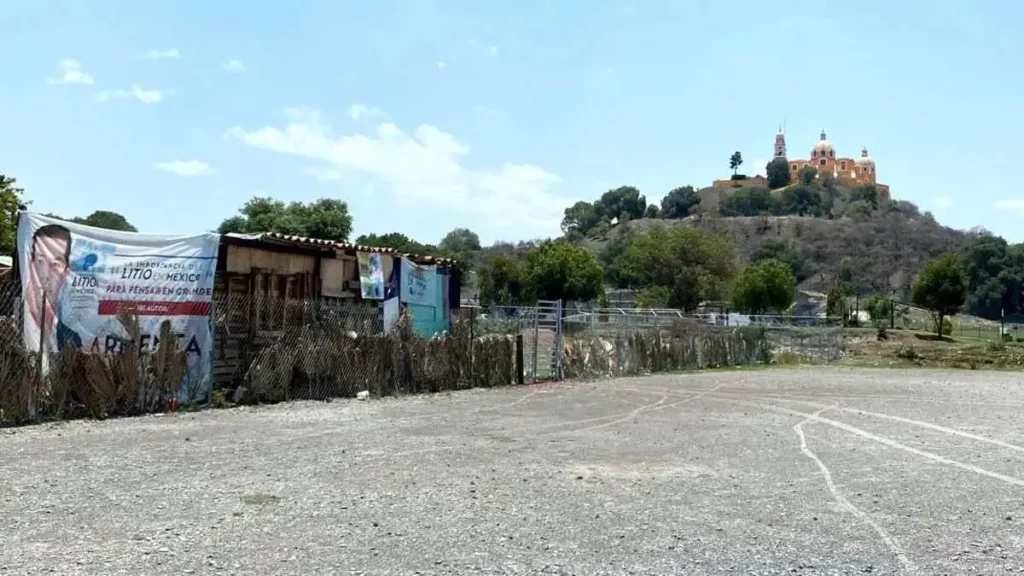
(823, 148)
(864, 159)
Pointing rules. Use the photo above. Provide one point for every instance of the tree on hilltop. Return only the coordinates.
(580, 218)
(735, 161)
(679, 202)
(807, 174)
(777, 172)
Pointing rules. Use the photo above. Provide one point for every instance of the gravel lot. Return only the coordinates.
(806, 471)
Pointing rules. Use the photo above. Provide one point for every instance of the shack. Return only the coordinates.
(268, 283)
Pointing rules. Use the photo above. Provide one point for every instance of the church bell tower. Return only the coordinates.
(780, 144)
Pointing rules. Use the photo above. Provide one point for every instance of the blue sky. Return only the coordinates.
(427, 115)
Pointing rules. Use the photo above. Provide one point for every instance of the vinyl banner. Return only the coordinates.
(418, 284)
(76, 279)
(371, 275)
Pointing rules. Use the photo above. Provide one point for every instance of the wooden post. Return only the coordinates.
(520, 376)
(472, 344)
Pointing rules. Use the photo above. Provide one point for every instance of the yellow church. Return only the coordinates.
(848, 172)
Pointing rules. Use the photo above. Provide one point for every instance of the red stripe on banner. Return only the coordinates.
(153, 308)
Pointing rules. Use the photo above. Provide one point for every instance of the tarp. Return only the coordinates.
(76, 280)
(418, 284)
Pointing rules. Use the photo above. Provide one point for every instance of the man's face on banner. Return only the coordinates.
(49, 264)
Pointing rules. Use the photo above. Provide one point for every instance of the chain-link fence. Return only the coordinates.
(635, 341)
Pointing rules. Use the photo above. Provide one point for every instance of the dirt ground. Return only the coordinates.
(909, 349)
(801, 471)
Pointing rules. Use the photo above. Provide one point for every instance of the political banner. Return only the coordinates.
(371, 275)
(418, 284)
(77, 279)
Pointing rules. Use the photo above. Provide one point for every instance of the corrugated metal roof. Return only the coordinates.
(320, 243)
(302, 240)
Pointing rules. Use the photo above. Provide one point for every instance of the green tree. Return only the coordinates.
(106, 219)
(807, 174)
(835, 302)
(879, 309)
(995, 273)
(560, 271)
(749, 202)
(768, 286)
(941, 288)
(679, 202)
(400, 242)
(866, 193)
(10, 200)
(695, 265)
(858, 211)
(624, 203)
(653, 297)
(783, 251)
(735, 161)
(581, 217)
(460, 241)
(652, 212)
(502, 282)
(326, 219)
(777, 172)
(801, 200)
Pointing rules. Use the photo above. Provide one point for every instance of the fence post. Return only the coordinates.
(520, 376)
(536, 337)
(472, 343)
(558, 340)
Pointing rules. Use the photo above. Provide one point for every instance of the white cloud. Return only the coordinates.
(162, 54)
(364, 112)
(184, 167)
(1010, 204)
(235, 67)
(424, 168)
(440, 65)
(492, 50)
(141, 94)
(149, 96)
(70, 73)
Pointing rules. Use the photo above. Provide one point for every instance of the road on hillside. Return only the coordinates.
(802, 471)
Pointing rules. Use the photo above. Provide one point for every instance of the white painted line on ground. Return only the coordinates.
(880, 439)
(929, 425)
(843, 502)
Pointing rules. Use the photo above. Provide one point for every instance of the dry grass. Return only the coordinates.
(313, 362)
(903, 348)
(84, 384)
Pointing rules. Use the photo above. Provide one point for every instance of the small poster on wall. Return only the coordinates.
(371, 276)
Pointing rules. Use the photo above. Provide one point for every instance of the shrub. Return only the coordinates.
(908, 353)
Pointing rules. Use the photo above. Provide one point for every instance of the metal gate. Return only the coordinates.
(546, 340)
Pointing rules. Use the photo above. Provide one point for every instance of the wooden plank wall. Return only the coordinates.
(260, 293)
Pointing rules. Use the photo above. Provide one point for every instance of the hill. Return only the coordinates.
(877, 251)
